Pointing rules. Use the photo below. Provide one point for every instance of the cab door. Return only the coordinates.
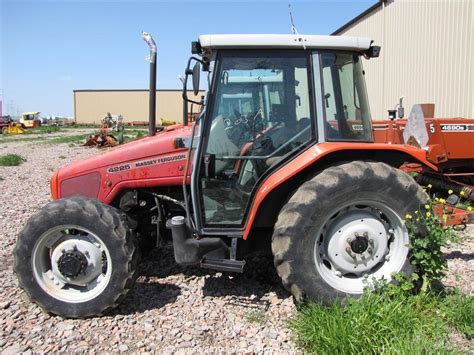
(259, 115)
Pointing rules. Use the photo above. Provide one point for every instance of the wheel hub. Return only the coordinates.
(76, 262)
(359, 244)
(72, 263)
(355, 242)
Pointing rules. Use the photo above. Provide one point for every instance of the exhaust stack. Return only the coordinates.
(152, 105)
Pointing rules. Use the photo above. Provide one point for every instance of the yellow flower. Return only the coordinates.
(461, 193)
(418, 219)
(450, 191)
(445, 218)
(429, 186)
(428, 214)
(442, 200)
(427, 206)
(408, 216)
(469, 208)
(416, 212)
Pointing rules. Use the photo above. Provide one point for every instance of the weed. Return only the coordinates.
(61, 157)
(258, 317)
(11, 160)
(427, 237)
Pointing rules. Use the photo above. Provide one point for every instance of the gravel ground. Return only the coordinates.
(171, 308)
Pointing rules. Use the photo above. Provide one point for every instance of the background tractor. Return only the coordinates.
(284, 158)
(30, 120)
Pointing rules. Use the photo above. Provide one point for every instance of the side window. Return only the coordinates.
(345, 98)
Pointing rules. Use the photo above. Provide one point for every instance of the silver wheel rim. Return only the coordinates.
(360, 242)
(87, 250)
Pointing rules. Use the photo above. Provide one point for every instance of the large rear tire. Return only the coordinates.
(76, 257)
(343, 226)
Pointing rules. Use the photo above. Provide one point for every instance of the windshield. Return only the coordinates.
(345, 98)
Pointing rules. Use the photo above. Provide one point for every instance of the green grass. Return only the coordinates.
(82, 125)
(78, 138)
(43, 130)
(11, 160)
(15, 138)
(378, 323)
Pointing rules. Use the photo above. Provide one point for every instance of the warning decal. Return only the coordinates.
(147, 162)
(457, 127)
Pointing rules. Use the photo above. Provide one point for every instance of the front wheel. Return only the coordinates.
(343, 227)
(76, 257)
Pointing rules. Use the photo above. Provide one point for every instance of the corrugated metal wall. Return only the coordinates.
(427, 55)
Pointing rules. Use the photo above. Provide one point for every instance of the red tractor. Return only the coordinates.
(283, 157)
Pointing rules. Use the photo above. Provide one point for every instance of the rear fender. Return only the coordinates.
(286, 179)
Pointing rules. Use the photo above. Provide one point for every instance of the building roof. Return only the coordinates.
(358, 17)
(283, 41)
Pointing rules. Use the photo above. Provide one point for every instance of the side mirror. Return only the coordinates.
(196, 77)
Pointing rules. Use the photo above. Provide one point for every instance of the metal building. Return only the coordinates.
(90, 106)
(427, 55)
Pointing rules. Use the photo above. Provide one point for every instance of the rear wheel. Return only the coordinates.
(343, 226)
(76, 257)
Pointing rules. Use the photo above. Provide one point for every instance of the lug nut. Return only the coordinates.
(356, 234)
(366, 234)
(387, 257)
(338, 274)
(369, 250)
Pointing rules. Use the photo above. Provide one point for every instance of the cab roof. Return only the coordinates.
(229, 41)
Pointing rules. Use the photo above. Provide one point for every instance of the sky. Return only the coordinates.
(51, 47)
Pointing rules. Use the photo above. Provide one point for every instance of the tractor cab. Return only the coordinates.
(270, 97)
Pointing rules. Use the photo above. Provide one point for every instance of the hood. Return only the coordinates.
(160, 144)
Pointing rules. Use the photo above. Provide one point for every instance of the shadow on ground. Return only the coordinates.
(459, 255)
(146, 296)
(259, 279)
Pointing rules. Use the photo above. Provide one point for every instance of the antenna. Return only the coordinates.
(293, 27)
